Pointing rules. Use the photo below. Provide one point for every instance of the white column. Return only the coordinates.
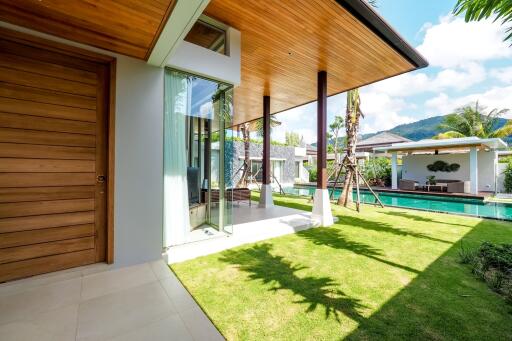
(394, 171)
(473, 170)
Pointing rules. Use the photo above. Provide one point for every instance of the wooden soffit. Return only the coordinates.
(129, 27)
(286, 43)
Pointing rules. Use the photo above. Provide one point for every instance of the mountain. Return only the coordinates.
(426, 129)
(422, 129)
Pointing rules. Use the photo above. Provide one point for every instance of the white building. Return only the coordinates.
(477, 161)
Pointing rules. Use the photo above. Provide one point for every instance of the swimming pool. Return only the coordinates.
(457, 205)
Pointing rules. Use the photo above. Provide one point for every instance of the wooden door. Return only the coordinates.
(53, 160)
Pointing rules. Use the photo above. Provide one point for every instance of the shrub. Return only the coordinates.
(467, 256)
(378, 171)
(312, 174)
(493, 264)
(507, 181)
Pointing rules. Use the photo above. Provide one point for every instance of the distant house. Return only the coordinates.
(384, 139)
(286, 162)
(474, 161)
(364, 147)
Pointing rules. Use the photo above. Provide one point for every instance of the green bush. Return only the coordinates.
(493, 264)
(507, 182)
(312, 174)
(378, 171)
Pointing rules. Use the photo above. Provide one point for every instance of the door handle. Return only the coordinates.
(101, 179)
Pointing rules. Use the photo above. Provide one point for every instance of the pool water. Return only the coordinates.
(468, 206)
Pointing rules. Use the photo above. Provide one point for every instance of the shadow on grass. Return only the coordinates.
(418, 217)
(373, 225)
(388, 228)
(315, 292)
(445, 301)
(334, 238)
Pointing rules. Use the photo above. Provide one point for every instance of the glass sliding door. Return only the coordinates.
(197, 166)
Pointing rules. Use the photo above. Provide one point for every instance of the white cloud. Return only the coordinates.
(468, 75)
(459, 78)
(497, 97)
(382, 112)
(454, 42)
(503, 74)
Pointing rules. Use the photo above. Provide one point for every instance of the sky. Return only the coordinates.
(469, 62)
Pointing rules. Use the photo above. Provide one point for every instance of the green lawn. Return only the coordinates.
(382, 274)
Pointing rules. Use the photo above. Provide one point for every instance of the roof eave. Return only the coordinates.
(365, 13)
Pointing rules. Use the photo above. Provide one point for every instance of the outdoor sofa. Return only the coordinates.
(455, 186)
(407, 185)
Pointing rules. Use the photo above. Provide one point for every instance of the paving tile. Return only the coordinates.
(19, 331)
(198, 324)
(170, 328)
(160, 269)
(121, 312)
(39, 299)
(179, 296)
(14, 287)
(56, 324)
(107, 282)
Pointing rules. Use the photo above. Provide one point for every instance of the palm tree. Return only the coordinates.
(472, 121)
(476, 10)
(258, 124)
(353, 114)
(246, 137)
(336, 127)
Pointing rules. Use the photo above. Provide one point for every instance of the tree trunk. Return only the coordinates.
(351, 126)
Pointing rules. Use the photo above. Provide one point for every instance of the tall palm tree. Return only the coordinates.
(336, 127)
(473, 121)
(476, 10)
(353, 114)
(246, 129)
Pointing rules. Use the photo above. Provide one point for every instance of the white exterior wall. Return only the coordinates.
(501, 177)
(139, 162)
(201, 61)
(414, 167)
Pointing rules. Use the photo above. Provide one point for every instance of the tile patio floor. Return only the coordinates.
(142, 302)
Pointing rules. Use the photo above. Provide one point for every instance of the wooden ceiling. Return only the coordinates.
(286, 43)
(129, 27)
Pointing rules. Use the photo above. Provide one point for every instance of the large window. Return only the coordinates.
(277, 170)
(207, 36)
(197, 167)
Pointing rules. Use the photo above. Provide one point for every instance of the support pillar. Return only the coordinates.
(394, 170)
(322, 213)
(473, 170)
(266, 188)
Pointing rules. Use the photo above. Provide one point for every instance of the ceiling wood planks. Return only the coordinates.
(286, 43)
(129, 27)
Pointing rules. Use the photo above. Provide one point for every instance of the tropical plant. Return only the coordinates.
(336, 127)
(353, 114)
(473, 121)
(507, 181)
(258, 125)
(377, 171)
(476, 10)
(293, 139)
